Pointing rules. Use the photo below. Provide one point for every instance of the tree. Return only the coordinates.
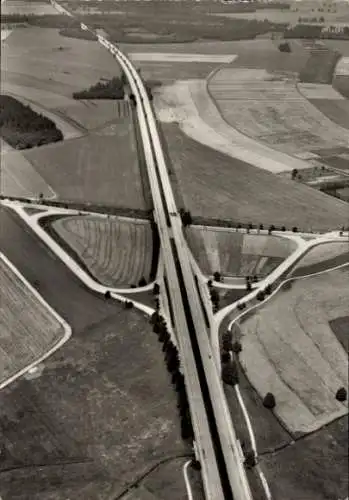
(269, 401)
(294, 229)
(285, 47)
(209, 283)
(107, 294)
(236, 347)
(142, 281)
(195, 464)
(217, 276)
(283, 228)
(225, 357)
(260, 295)
(128, 304)
(261, 227)
(156, 289)
(227, 344)
(341, 394)
(250, 459)
(248, 286)
(230, 375)
(271, 228)
(268, 289)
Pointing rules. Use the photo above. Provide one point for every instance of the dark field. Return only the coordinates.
(340, 327)
(341, 83)
(179, 22)
(214, 185)
(102, 412)
(314, 468)
(336, 110)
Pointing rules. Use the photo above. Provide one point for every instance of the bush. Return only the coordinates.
(217, 276)
(250, 459)
(225, 357)
(284, 47)
(260, 295)
(107, 294)
(341, 394)
(236, 347)
(230, 375)
(111, 89)
(156, 289)
(268, 289)
(142, 282)
(23, 128)
(269, 401)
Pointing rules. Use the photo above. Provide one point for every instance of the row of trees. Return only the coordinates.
(172, 361)
(22, 127)
(109, 89)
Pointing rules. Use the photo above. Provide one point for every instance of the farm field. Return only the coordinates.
(337, 110)
(116, 252)
(37, 8)
(212, 185)
(65, 66)
(269, 109)
(83, 168)
(102, 403)
(188, 103)
(313, 468)
(28, 328)
(19, 178)
(100, 168)
(131, 22)
(321, 256)
(340, 328)
(299, 359)
(237, 254)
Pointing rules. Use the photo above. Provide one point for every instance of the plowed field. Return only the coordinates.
(270, 109)
(289, 349)
(117, 253)
(237, 254)
(27, 328)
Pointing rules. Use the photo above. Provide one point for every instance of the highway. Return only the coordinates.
(223, 471)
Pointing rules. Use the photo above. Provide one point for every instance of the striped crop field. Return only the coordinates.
(116, 252)
(28, 329)
(237, 254)
(290, 350)
(270, 109)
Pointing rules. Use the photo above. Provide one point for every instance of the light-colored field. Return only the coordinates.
(181, 57)
(319, 91)
(342, 67)
(289, 16)
(322, 253)
(189, 104)
(237, 254)
(116, 252)
(5, 34)
(27, 328)
(269, 109)
(290, 350)
(19, 178)
(27, 8)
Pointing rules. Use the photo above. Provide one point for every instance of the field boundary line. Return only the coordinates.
(66, 327)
